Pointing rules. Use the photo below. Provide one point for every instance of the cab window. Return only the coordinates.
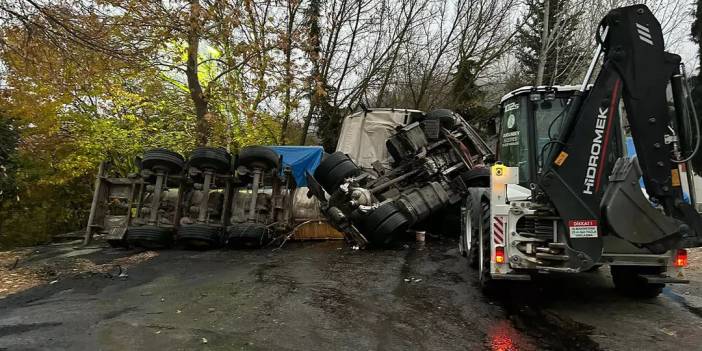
(513, 142)
(548, 114)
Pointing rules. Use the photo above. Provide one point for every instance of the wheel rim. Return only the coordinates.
(467, 237)
(481, 249)
(484, 262)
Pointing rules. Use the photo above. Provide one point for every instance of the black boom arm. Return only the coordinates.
(587, 177)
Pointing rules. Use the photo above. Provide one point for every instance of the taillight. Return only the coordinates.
(500, 254)
(681, 258)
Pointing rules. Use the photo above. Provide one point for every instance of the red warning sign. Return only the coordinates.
(582, 228)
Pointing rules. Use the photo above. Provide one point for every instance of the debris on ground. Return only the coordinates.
(23, 269)
(13, 278)
(694, 259)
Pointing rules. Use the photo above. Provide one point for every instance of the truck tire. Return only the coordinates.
(199, 236)
(162, 159)
(471, 241)
(329, 161)
(118, 243)
(382, 226)
(627, 281)
(248, 235)
(476, 177)
(487, 284)
(214, 158)
(419, 204)
(259, 157)
(150, 237)
(332, 171)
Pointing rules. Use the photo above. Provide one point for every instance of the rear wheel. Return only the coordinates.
(333, 170)
(470, 236)
(628, 281)
(118, 243)
(476, 177)
(464, 241)
(162, 159)
(214, 158)
(199, 236)
(259, 157)
(150, 237)
(329, 161)
(382, 226)
(487, 284)
(248, 235)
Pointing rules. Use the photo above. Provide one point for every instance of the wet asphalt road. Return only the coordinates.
(325, 296)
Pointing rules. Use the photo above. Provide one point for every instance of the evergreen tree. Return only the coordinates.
(468, 97)
(563, 48)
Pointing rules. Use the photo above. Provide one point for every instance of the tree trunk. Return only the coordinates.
(292, 10)
(544, 46)
(202, 128)
(314, 80)
(306, 125)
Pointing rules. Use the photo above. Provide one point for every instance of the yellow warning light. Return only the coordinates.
(502, 175)
(499, 170)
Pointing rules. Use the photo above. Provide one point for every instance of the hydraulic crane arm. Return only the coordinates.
(585, 176)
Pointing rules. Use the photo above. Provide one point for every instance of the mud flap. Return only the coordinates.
(631, 216)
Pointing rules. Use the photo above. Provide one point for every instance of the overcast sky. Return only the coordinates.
(678, 40)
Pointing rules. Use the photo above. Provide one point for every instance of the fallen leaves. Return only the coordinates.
(14, 279)
(16, 275)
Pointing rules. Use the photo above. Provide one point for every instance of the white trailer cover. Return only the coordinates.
(363, 134)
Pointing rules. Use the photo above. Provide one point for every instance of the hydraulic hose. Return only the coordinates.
(686, 86)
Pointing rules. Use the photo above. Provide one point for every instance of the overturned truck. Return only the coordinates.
(209, 199)
(398, 169)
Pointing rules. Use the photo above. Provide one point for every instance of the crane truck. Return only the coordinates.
(565, 195)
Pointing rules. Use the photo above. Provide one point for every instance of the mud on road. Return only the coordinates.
(326, 296)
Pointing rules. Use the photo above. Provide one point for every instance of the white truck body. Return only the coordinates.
(363, 134)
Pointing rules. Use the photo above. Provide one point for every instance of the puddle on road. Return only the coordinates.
(504, 337)
(529, 322)
(680, 300)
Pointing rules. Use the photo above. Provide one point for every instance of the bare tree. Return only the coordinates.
(464, 32)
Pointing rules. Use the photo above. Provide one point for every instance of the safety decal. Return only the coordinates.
(583, 228)
(498, 230)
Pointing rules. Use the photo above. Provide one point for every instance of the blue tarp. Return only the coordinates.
(631, 151)
(300, 159)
